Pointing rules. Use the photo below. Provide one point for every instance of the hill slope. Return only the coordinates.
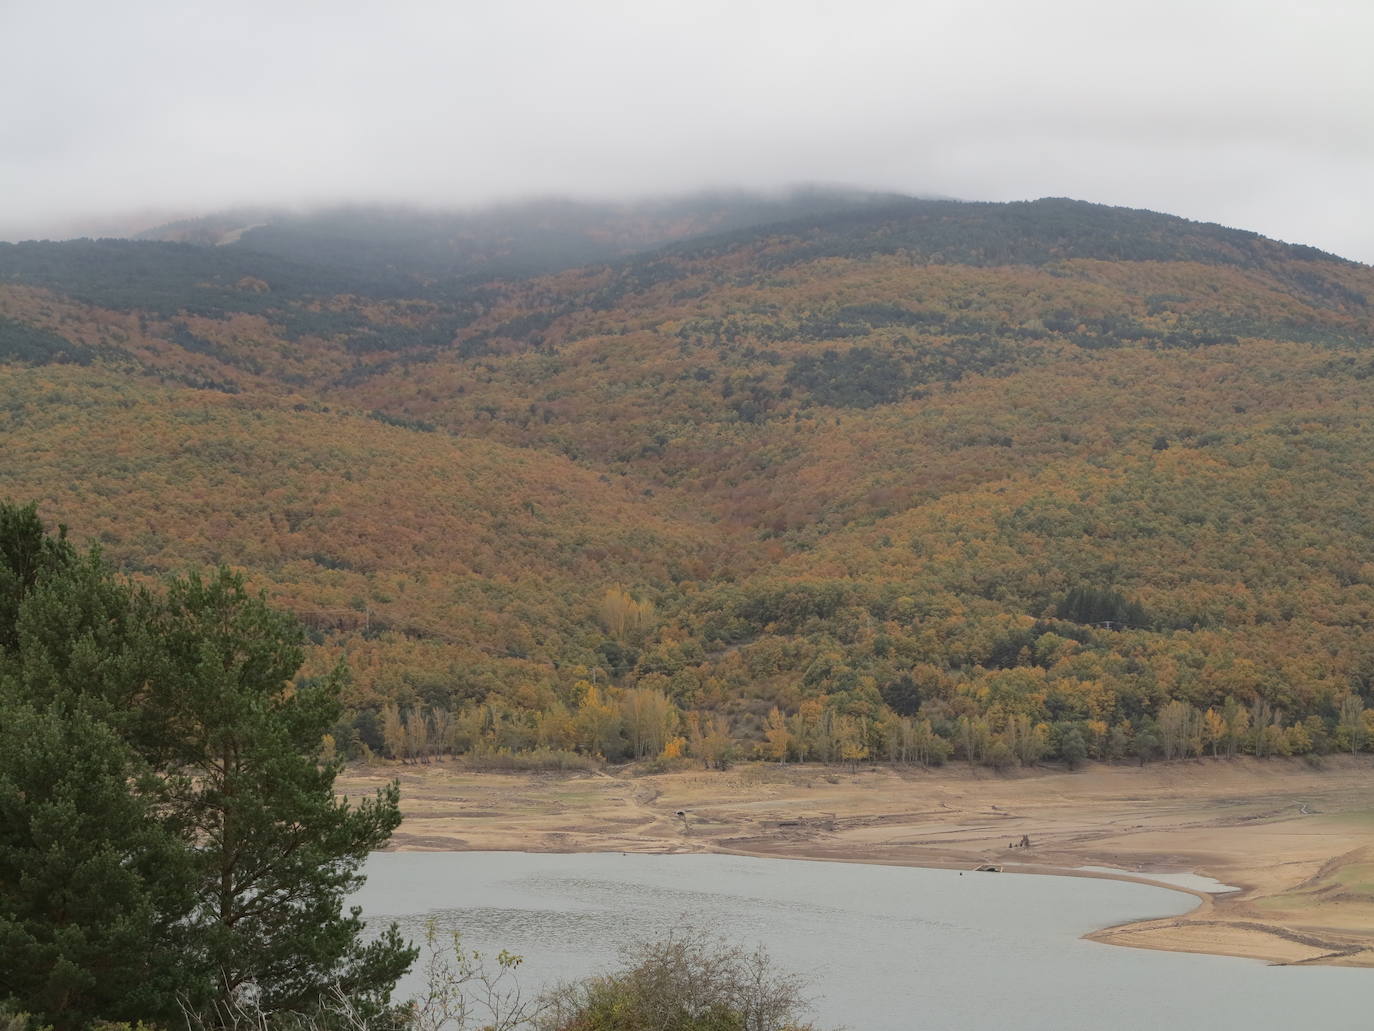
(1027, 472)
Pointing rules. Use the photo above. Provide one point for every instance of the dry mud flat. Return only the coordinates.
(1297, 841)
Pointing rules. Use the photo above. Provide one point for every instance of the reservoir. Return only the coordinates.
(881, 948)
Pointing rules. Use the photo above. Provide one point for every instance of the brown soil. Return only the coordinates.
(1298, 841)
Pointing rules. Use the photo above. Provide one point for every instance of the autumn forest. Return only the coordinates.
(835, 477)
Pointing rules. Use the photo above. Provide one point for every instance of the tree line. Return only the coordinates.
(642, 723)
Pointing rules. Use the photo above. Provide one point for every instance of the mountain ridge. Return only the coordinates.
(867, 466)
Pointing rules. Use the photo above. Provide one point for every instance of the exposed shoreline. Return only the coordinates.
(1296, 841)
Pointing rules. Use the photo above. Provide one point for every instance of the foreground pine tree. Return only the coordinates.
(169, 835)
(278, 854)
(93, 887)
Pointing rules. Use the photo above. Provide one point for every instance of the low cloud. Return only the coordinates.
(1252, 113)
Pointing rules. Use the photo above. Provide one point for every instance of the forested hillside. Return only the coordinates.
(880, 478)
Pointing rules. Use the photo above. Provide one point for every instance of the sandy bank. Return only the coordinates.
(1297, 841)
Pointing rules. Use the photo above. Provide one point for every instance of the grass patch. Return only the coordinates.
(1360, 817)
(578, 796)
(1357, 877)
(539, 759)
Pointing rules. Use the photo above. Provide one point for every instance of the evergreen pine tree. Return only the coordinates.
(93, 886)
(279, 853)
(169, 833)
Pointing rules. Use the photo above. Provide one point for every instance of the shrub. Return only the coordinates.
(691, 983)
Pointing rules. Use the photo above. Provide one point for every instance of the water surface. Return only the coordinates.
(886, 948)
(1197, 882)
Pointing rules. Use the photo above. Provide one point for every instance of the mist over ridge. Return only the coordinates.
(618, 225)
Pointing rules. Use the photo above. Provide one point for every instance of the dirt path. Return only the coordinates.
(1298, 842)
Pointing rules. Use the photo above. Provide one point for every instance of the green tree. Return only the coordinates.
(278, 853)
(94, 888)
(168, 828)
(1144, 744)
(1073, 748)
(1100, 605)
(27, 552)
(95, 880)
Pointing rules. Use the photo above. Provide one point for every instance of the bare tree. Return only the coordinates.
(1352, 720)
(1180, 730)
(464, 990)
(419, 735)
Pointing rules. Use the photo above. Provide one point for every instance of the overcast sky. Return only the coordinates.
(1252, 113)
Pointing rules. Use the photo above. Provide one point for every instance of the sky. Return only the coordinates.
(1251, 113)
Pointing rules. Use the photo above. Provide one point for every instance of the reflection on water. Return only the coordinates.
(886, 948)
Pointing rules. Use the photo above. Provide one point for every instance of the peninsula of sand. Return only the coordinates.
(1295, 840)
